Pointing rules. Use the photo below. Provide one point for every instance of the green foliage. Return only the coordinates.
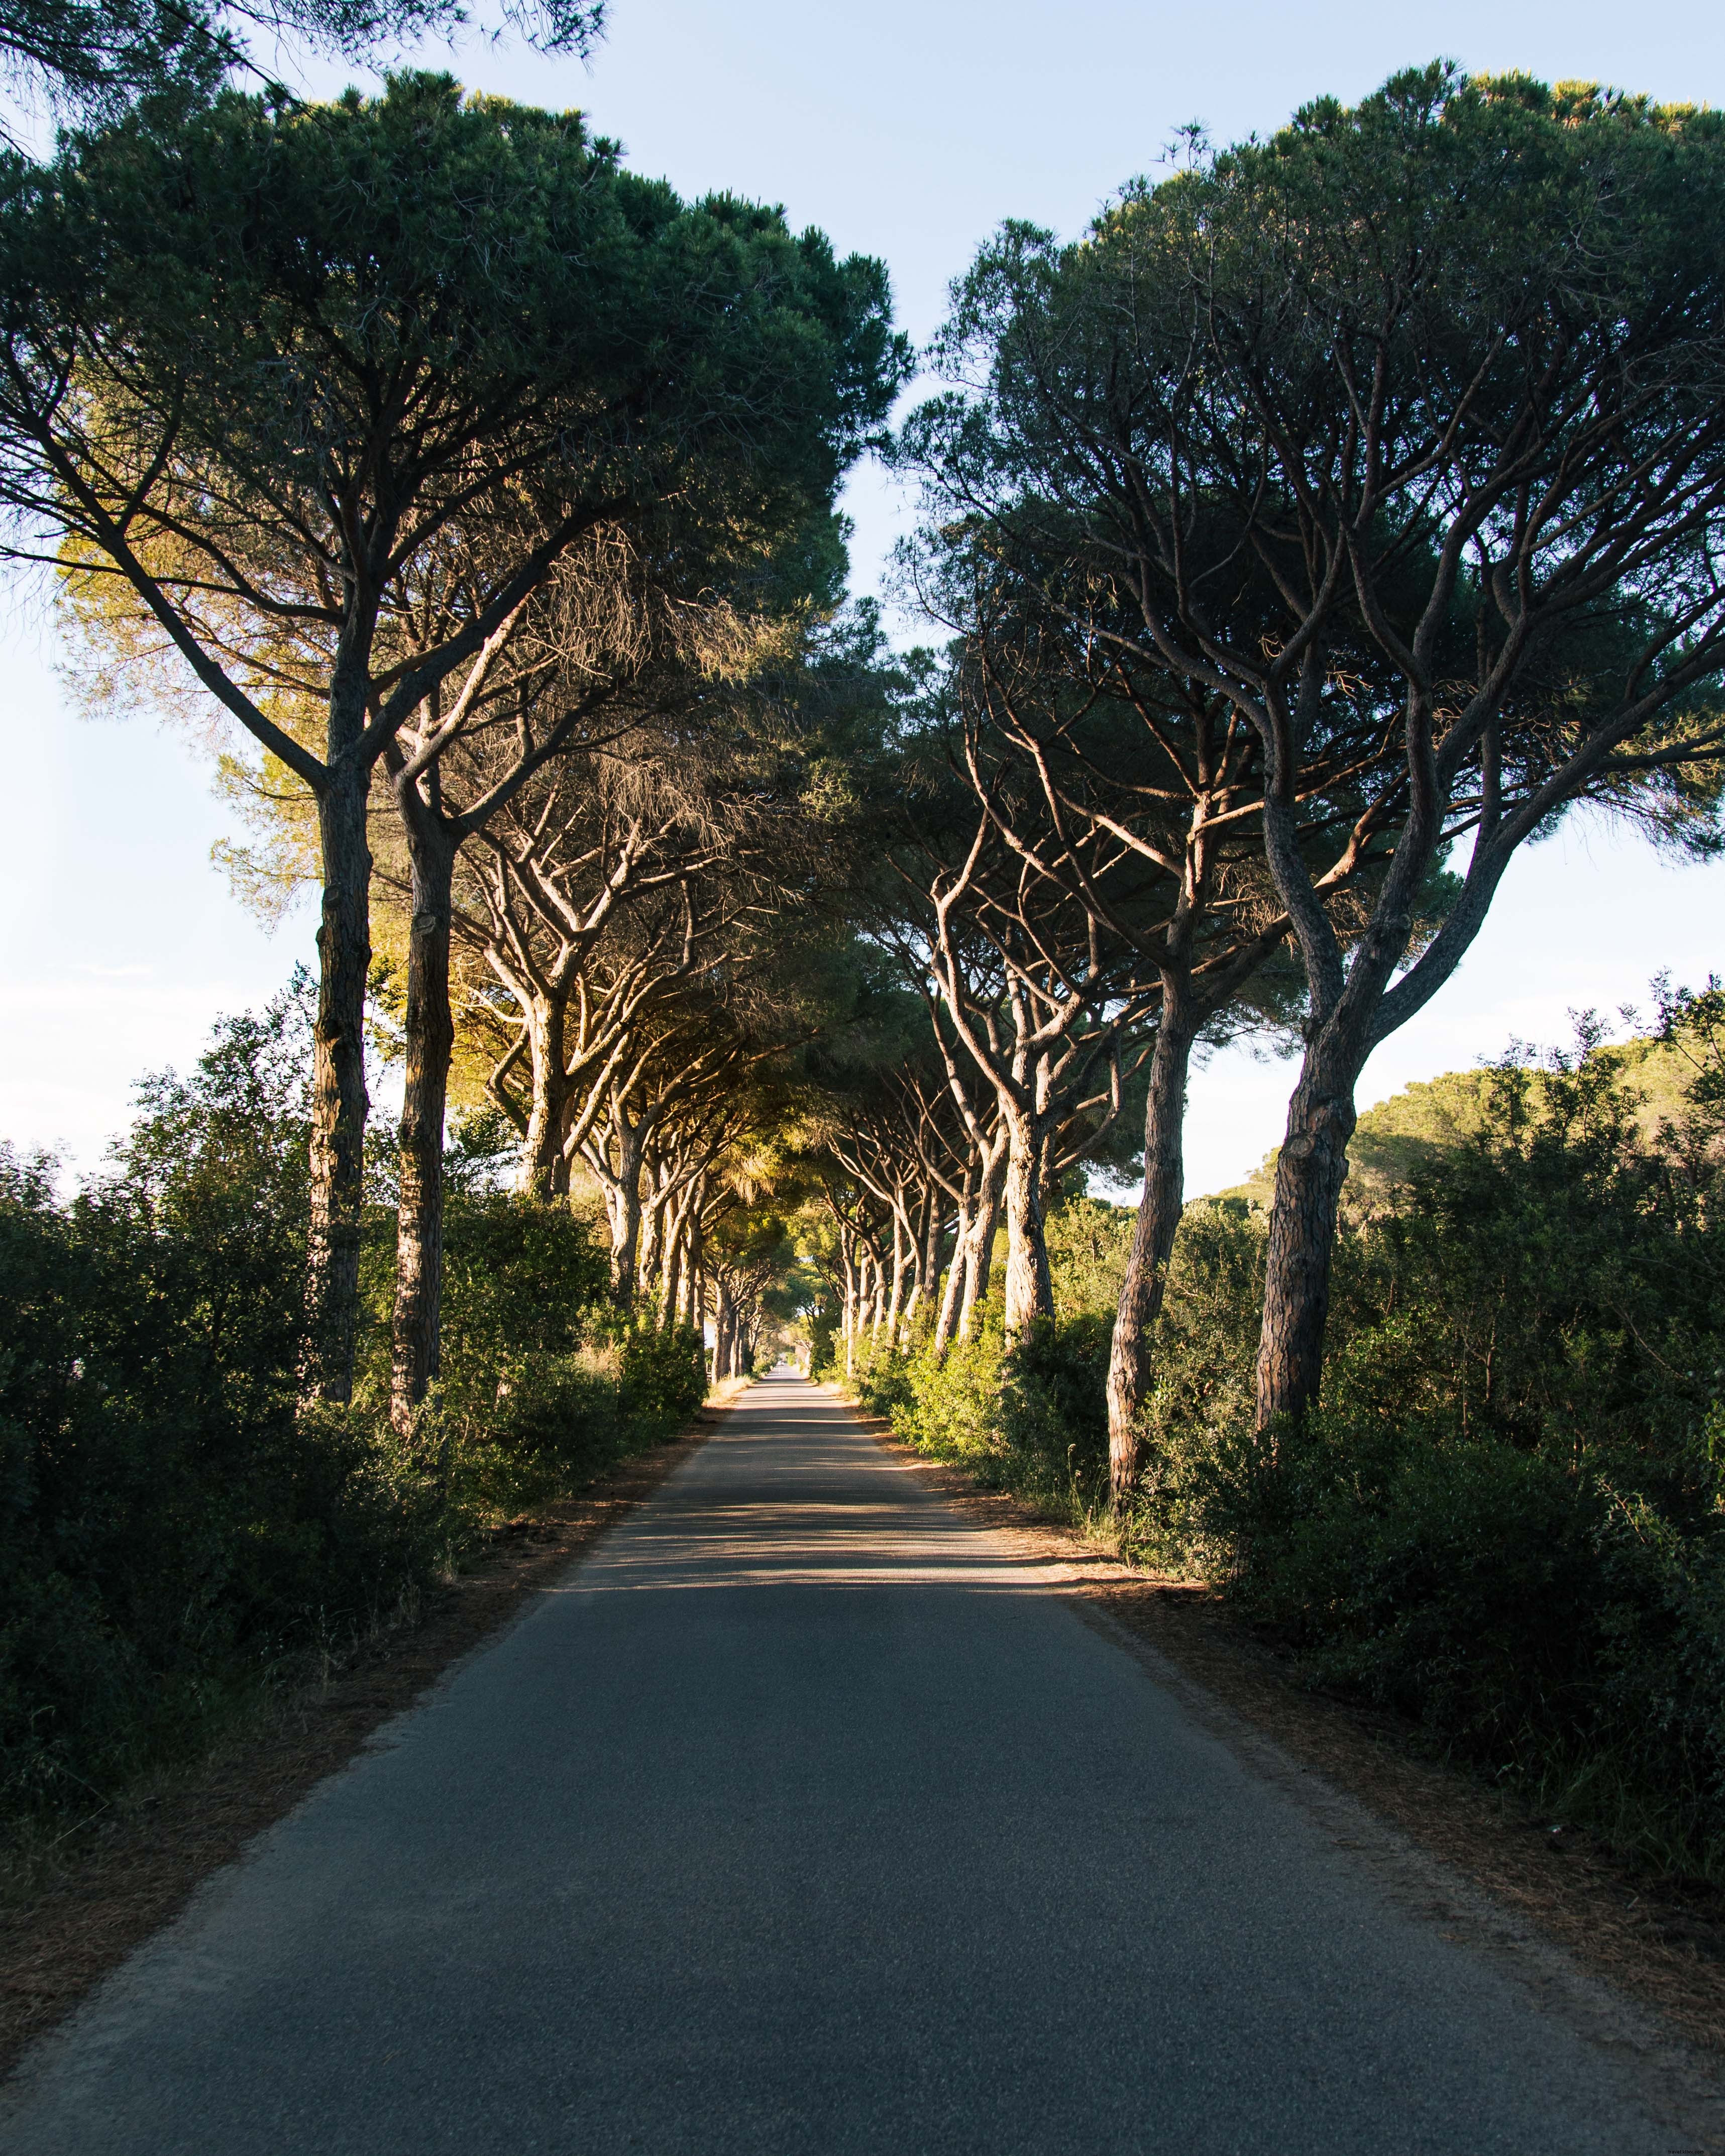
(166, 1517)
(663, 1372)
(1506, 1521)
(1088, 1242)
(91, 58)
(251, 290)
(173, 1524)
(1031, 1420)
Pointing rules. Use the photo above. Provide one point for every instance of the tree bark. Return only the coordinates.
(979, 1243)
(339, 1104)
(947, 1317)
(1029, 1286)
(1309, 1175)
(545, 1167)
(626, 1214)
(671, 1286)
(1153, 1242)
(430, 1038)
(895, 1300)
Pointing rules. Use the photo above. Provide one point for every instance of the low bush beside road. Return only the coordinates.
(1506, 1522)
(177, 1528)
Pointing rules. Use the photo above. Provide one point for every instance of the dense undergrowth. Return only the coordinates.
(175, 1531)
(1505, 1522)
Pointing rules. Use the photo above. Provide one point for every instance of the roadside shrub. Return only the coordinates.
(663, 1372)
(1507, 1520)
(166, 1515)
(175, 1527)
(1032, 1421)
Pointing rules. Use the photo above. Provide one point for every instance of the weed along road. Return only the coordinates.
(803, 1815)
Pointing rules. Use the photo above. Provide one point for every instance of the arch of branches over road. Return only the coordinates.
(1327, 523)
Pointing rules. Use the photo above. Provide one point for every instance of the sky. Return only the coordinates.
(908, 129)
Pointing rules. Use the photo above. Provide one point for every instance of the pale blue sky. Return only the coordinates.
(908, 129)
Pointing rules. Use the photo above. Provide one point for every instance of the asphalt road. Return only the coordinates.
(805, 1817)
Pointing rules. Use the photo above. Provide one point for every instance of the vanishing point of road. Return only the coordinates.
(804, 1815)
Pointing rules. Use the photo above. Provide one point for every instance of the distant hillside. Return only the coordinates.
(1437, 1116)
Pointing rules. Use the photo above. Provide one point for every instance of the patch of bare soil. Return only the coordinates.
(116, 1883)
(1659, 1941)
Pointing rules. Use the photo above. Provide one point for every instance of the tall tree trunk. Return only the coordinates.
(947, 1317)
(430, 1038)
(650, 1256)
(1153, 1242)
(545, 1169)
(626, 1216)
(1029, 1287)
(896, 1300)
(1309, 1175)
(927, 1274)
(339, 1105)
(979, 1248)
(671, 1286)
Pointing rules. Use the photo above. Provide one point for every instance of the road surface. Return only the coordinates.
(805, 1817)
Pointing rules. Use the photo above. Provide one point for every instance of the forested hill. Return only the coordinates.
(1414, 1131)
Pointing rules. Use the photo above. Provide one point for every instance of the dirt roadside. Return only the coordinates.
(1662, 1944)
(122, 1882)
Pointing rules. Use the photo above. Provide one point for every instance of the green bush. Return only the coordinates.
(1032, 1421)
(166, 1517)
(1506, 1521)
(663, 1372)
(174, 1525)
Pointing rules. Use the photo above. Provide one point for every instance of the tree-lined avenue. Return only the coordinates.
(805, 1816)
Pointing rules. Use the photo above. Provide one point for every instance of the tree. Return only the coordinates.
(1125, 765)
(625, 629)
(258, 361)
(1036, 990)
(1448, 362)
(89, 59)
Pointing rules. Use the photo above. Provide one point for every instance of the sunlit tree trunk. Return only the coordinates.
(1030, 1285)
(545, 1168)
(947, 1317)
(979, 1248)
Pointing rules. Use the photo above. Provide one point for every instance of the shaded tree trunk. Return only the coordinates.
(430, 1038)
(1152, 1242)
(1309, 1175)
(339, 1104)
